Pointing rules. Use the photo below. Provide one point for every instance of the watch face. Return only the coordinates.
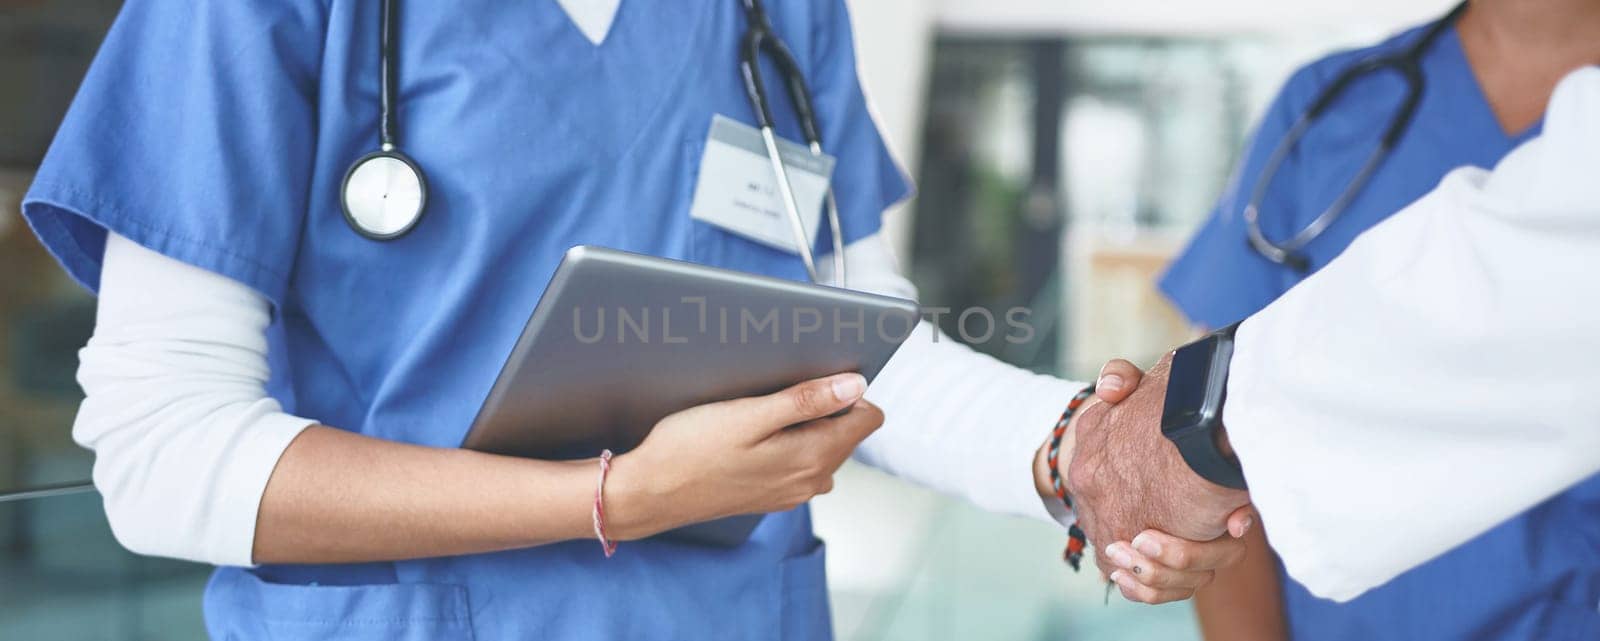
(1190, 400)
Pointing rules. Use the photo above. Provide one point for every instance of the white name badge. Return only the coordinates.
(738, 191)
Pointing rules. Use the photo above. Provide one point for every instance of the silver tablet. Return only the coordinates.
(621, 340)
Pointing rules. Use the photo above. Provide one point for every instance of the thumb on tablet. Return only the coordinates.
(806, 401)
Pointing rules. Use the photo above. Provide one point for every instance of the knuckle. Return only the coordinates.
(871, 415)
(807, 399)
(1236, 554)
(823, 485)
(817, 461)
(1178, 557)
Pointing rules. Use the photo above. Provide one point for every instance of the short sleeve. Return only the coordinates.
(191, 135)
(867, 179)
(1218, 278)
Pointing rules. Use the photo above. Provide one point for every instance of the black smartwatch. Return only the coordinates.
(1192, 416)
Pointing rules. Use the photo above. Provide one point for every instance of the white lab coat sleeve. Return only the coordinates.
(955, 420)
(176, 411)
(1440, 376)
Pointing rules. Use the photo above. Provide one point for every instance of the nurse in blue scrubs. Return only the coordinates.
(1485, 81)
(213, 137)
(218, 133)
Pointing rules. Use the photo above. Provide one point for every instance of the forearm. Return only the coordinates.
(195, 461)
(339, 497)
(957, 420)
(965, 423)
(1244, 602)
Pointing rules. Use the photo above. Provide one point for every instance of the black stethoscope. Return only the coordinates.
(1408, 63)
(384, 192)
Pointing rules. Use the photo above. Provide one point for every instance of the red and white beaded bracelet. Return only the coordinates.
(1076, 540)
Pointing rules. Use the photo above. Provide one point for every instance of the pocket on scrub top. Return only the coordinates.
(805, 596)
(242, 607)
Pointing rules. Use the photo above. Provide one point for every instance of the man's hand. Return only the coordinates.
(1125, 477)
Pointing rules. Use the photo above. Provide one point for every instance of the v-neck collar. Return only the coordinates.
(1480, 98)
(607, 94)
(592, 18)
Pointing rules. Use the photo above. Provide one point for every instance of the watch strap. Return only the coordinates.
(1200, 451)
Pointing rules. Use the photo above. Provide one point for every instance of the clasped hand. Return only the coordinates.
(1160, 531)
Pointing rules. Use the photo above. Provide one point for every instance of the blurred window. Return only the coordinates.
(1062, 173)
(62, 575)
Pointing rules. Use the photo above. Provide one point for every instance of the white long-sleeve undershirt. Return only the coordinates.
(176, 410)
(185, 436)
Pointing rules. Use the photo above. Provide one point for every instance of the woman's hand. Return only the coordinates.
(1156, 567)
(759, 454)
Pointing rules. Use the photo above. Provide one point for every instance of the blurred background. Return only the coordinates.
(1064, 149)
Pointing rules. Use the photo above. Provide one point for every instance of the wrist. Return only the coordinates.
(1041, 471)
(1042, 480)
(631, 509)
(1051, 461)
(1058, 453)
(1191, 415)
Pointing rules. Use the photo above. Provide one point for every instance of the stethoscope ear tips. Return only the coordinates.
(1297, 262)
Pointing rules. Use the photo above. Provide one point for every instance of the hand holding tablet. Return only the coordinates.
(621, 344)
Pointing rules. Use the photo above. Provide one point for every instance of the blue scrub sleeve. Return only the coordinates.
(1218, 278)
(867, 179)
(192, 135)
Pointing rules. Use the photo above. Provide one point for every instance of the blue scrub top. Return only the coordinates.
(1536, 576)
(217, 132)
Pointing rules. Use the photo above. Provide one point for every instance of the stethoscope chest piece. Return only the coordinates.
(383, 195)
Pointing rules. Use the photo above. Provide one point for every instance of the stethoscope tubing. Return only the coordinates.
(387, 80)
(47, 491)
(1408, 64)
(796, 225)
(357, 206)
(760, 37)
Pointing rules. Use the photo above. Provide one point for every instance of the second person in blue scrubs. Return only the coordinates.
(1486, 82)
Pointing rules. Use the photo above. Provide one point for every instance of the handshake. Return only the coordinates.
(1160, 531)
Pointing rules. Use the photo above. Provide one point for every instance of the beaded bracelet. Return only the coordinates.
(1075, 537)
